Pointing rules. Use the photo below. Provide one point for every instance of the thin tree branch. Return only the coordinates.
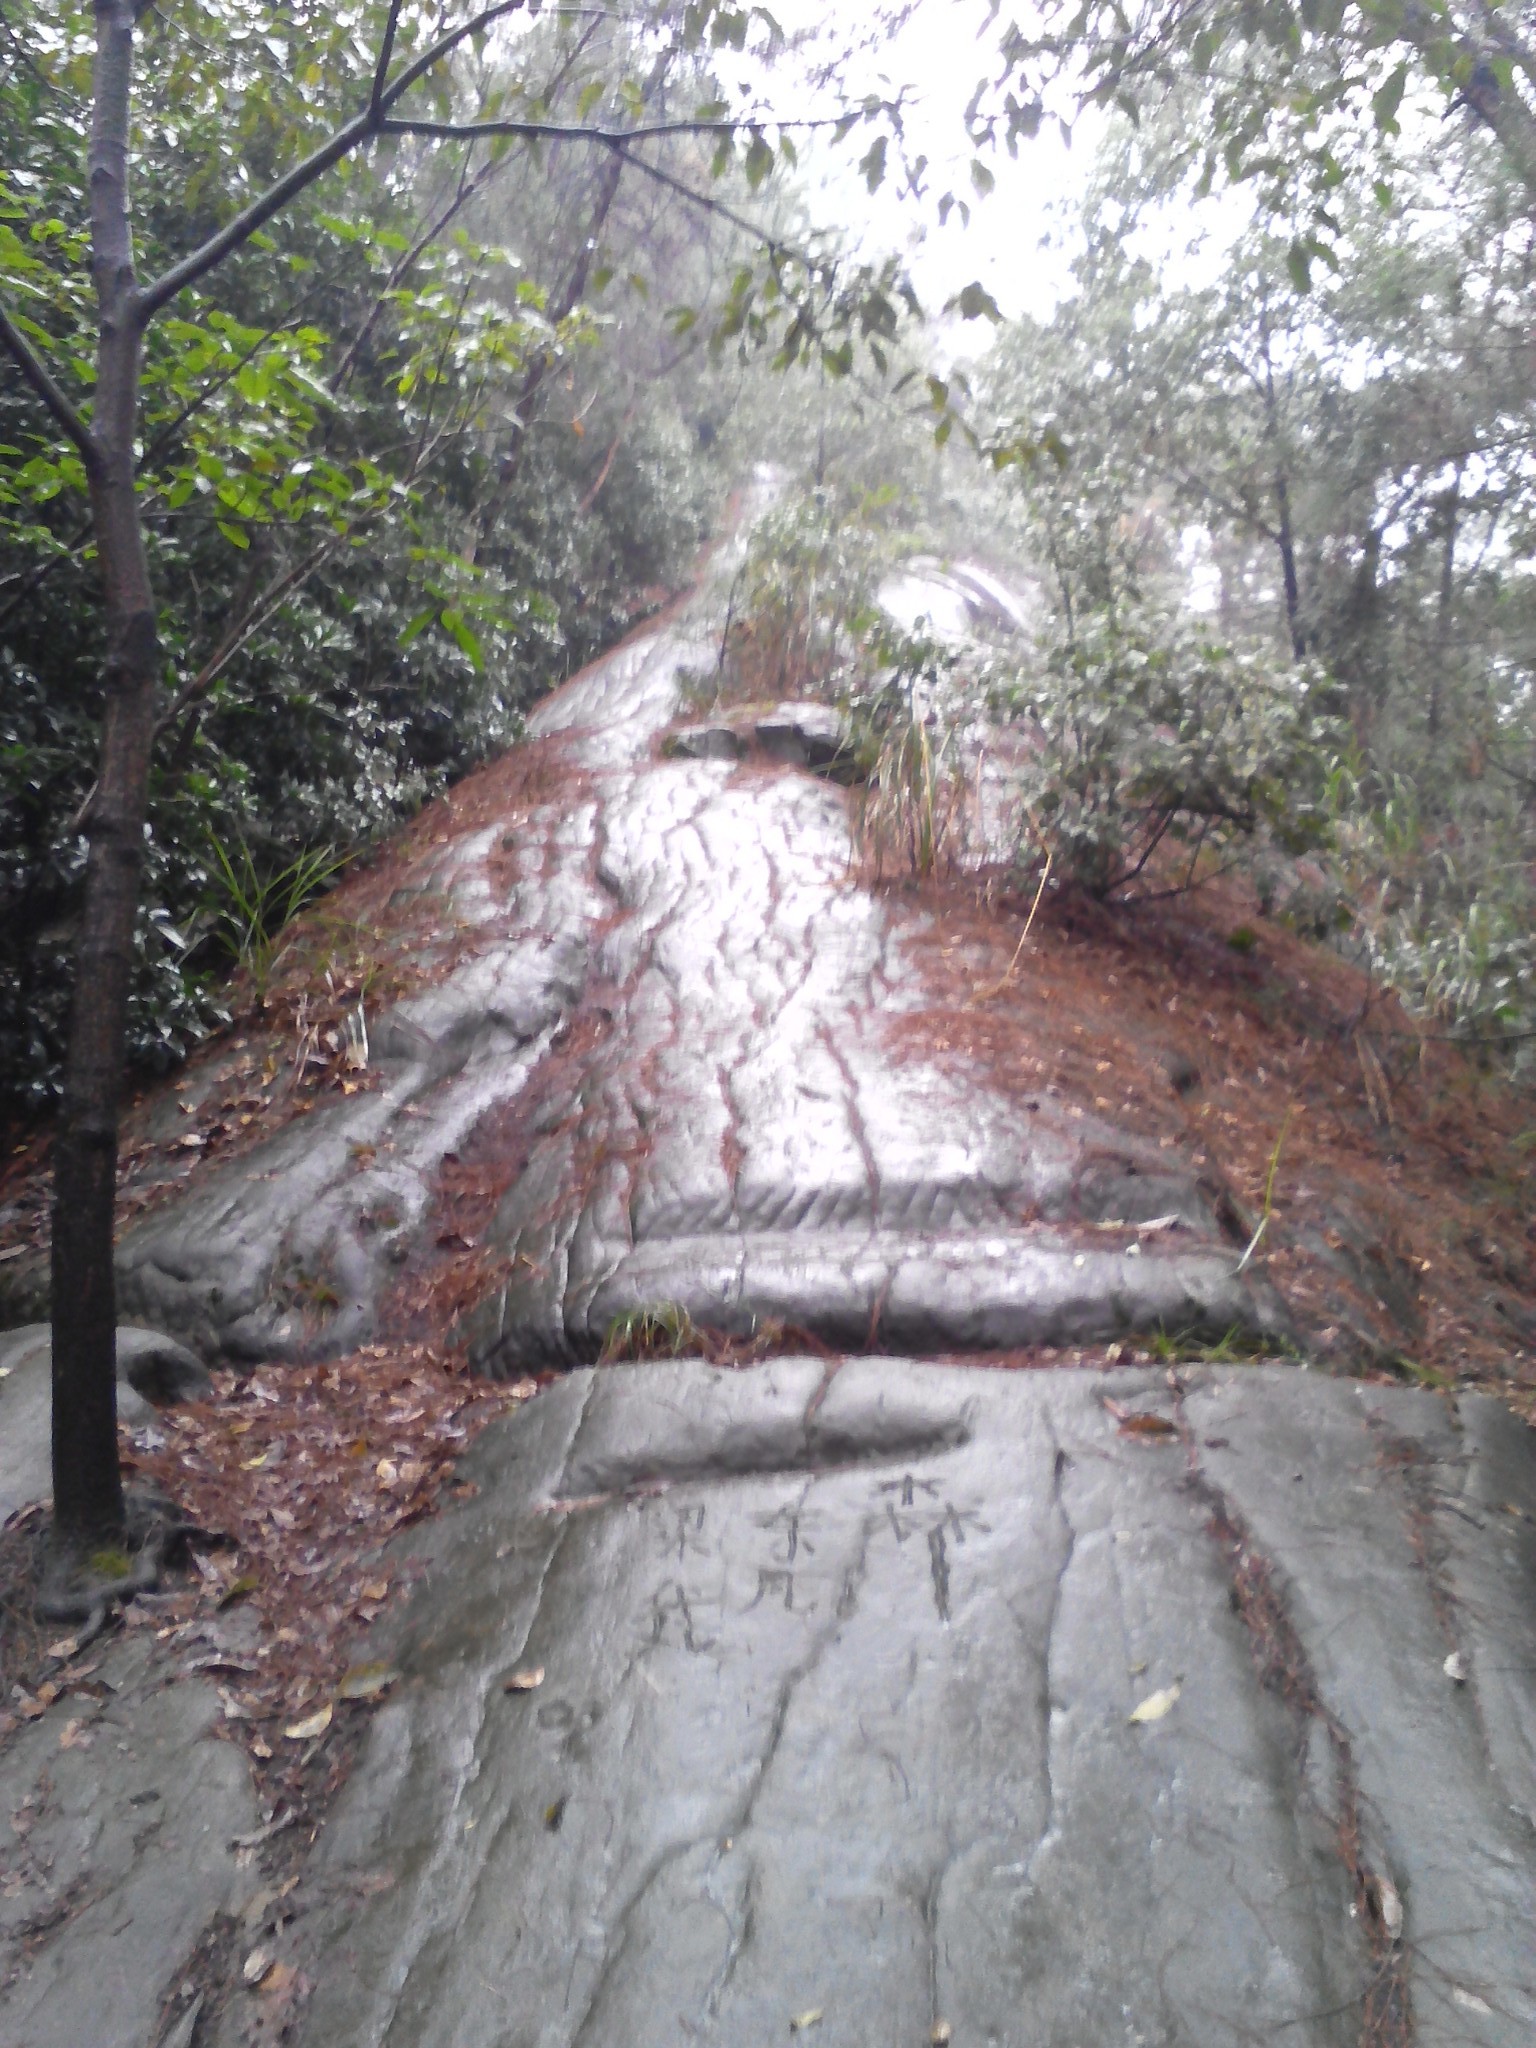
(381, 69)
(469, 188)
(245, 628)
(445, 44)
(38, 375)
(602, 475)
(149, 300)
(707, 204)
(577, 131)
(154, 296)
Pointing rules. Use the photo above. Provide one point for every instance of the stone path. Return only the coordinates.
(837, 1715)
(731, 1136)
(874, 1702)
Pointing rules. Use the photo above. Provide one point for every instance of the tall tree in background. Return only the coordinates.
(1339, 467)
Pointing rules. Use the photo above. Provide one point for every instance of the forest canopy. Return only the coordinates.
(452, 421)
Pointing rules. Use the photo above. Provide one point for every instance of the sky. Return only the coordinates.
(1021, 238)
(1013, 243)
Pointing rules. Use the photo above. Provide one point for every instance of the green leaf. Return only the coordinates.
(759, 161)
(1385, 103)
(457, 627)
(976, 303)
(235, 535)
(590, 95)
(1298, 261)
(872, 164)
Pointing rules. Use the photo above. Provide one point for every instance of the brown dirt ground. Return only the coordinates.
(1152, 1017)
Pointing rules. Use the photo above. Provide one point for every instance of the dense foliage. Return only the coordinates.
(1337, 470)
(375, 537)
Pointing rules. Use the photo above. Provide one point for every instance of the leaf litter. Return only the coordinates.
(300, 1475)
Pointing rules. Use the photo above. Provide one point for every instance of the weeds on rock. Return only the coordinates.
(1235, 1346)
(665, 1331)
(669, 1331)
(251, 908)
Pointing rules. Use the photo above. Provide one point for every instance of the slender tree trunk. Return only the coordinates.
(560, 308)
(1285, 539)
(1443, 609)
(87, 1485)
(1287, 546)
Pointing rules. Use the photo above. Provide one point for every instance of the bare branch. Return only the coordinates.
(707, 204)
(445, 44)
(152, 297)
(468, 189)
(381, 69)
(244, 629)
(576, 131)
(149, 300)
(38, 375)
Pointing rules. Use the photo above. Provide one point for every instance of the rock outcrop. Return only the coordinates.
(674, 1000)
(922, 1698)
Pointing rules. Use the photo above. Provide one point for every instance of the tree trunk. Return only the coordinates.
(87, 1483)
(1443, 609)
(560, 308)
(1285, 539)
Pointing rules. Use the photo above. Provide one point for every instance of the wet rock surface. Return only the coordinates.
(120, 1818)
(837, 1714)
(153, 1371)
(890, 1700)
(681, 1004)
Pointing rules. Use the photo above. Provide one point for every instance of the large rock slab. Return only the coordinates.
(838, 1717)
(153, 1370)
(681, 1007)
(121, 1814)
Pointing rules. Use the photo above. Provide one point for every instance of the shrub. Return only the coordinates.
(1150, 734)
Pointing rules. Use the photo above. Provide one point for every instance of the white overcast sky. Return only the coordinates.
(1013, 243)
(1021, 238)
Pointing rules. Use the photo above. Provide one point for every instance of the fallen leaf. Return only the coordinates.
(1146, 1425)
(73, 1735)
(238, 1588)
(255, 1464)
(1469, 2000)
(1391, 1907)
(367, 1681)
(64, 1648)
(277, 1980)
(376, 1589)
(523, 1681)
(803, 2020)
(387, 1470)
(1456, 1668)
(257, 1964)
(1157, 1704)
(257, 1836)
(311, 1726)
(940, 2036)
